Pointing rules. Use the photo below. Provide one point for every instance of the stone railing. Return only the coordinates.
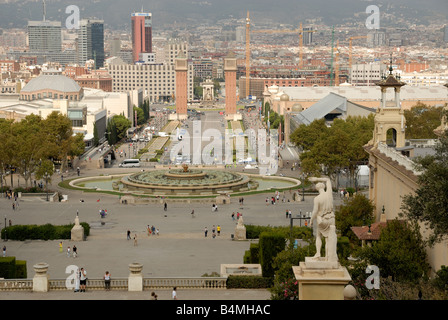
(397, 156)
(121, 284)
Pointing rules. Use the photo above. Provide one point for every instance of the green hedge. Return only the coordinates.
(21, 272)
(270, 244)
(249, 282)
(252, 255)
(8, 267)
(41, 232)
(253, 232)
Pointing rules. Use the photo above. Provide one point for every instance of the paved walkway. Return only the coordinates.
(180, 249)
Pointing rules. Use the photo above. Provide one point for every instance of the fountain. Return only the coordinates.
(187, 181)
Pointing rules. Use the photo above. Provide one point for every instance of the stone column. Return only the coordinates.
(135, 280)
(41, 279)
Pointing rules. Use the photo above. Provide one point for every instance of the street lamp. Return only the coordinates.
(46, 183)
(6, 238)
(303, 187)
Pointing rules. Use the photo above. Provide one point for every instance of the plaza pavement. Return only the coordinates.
(180, 249)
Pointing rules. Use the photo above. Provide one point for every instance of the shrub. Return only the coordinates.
(248, 282)
(270, 244)
(41, 232)
(286, 290)
(21, 272)
(8, 267)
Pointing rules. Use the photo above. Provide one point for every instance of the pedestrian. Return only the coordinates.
(13, 206)
(174, 294)
(75, 251)
(148, 229)
(60, 247)
(233, 216)
(157, 231)
(107, 280)
(165, 206)
(68, 251)
(4, 251)
(287, 213)
(135, 240)
(205, 231)
(83, 280)
(153, 230)
(153, 295)
(128, 235)
(218, 229)
(192, 213)
(78, 170)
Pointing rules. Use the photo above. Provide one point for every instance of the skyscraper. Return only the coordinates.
(44, 36)
(141, 34)
(91, 41)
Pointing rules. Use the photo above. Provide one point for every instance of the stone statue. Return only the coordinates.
(323, 214)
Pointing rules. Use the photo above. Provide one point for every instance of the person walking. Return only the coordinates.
(165, 206)
(174, 294)
(192, 213)
(4, 251)
(83, 280)
(68, 252)
(60, 247)
(153, 295)
(75, 251)
(205, 231)
(107, 280)
(135, 240)
(128, 235)
(218, 229)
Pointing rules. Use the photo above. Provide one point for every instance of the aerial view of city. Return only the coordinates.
(209, 151)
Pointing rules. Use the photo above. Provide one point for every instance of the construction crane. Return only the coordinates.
(350, 50)
(247, 54)
(300, 31)
(336, 63)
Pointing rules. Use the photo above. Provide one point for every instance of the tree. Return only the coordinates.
(121, 124)
(58, 133)
(140, 116)
(355, 211)
(421, 120)
(30, 145)
(96, 140)
(399, 253)
(328, 150)
(429, 204)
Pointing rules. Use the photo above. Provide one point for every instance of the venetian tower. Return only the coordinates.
(181, 68)
(230, 69)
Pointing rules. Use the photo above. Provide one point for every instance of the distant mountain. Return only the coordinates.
(116, 13)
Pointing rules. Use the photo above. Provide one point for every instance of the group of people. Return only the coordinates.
(70, 251)
(215, 231)
(238, 215)
(152, 230)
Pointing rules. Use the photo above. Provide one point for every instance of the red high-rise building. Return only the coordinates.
(141, 34)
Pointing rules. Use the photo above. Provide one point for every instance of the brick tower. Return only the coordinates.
(181, 68)
(230, 69)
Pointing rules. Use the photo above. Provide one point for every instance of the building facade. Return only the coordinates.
(91, 41)
(141, 25)
(157, 80)
(44, 36)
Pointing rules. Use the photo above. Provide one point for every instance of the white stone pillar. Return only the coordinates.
(135, 280)
(41, 279)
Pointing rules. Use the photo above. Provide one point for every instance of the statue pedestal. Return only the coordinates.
(41, 282)
(321, 280)
(135, 280)
(77, 232)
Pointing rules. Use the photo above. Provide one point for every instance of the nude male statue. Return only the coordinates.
(323, 213)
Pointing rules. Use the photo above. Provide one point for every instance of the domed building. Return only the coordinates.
(51, 84)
